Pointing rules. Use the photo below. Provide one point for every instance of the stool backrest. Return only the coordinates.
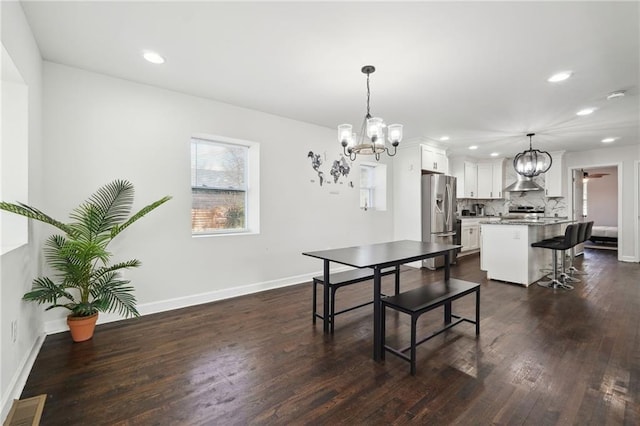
(582, 232)
(589, 229)
(571, 235)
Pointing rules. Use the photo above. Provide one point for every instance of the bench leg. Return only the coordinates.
(325, 301)
(397, 280)
(383, 332)
(447, 312)
(478, 312)
(414, 320)
(332, 308)
(315, 300)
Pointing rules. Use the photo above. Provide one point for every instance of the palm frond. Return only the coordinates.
(44, 290)
(107, 207)
(111, 294)
(141, 213)
(34, 213)
(133, 263)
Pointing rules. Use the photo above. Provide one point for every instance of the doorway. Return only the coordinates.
(595, 196)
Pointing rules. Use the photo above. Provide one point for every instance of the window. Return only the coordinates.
(223, 198)
(373, 186)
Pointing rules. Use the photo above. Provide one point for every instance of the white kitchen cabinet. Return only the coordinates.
(490, 181)
(485, 180)
(434, 159)
(553, 177)
(470, 238)
(470, 178)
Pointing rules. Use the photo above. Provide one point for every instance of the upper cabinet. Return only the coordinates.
(490, 180)
(434, 159)
(553, 177)
(479, 180)
(470, 187)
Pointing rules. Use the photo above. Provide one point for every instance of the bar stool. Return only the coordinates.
(569, 240)
(583, 235)
(566, 275)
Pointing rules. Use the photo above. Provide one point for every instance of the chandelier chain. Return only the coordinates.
(368, 97)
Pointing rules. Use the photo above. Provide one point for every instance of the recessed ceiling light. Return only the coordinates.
(560, 76)
(494, 154)
(473, 147)
(153, 57)
(608, 140)
(585, 111)
(444, 138)
(616, 94)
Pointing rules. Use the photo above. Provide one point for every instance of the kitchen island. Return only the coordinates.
(507, 254)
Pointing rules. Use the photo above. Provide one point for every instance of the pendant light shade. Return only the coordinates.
(532, 162)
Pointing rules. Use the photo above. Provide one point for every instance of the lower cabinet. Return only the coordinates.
(470, 238)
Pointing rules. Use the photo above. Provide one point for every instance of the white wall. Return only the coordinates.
(625, 157)
(20, 266)
(602, 197)
(100, 128)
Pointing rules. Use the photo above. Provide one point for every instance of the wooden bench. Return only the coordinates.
(341, 279)
(423, 299)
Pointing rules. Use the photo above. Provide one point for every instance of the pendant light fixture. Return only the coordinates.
(532, 162)
(371, 140)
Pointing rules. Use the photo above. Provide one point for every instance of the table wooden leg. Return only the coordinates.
(377, 315)
(325, 306)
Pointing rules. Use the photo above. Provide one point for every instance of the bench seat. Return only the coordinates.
(341, 279)
(423, 299)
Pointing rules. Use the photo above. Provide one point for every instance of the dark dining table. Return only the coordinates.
(378, 257)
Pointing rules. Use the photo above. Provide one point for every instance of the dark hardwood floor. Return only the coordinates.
(543, 357)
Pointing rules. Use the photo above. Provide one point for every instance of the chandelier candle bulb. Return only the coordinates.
(394, 132)
(344, 134)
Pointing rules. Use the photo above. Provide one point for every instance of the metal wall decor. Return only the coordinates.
(340, 168)
(532, 162)
(371, 140)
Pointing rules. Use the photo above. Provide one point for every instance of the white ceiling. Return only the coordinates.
(473, 71)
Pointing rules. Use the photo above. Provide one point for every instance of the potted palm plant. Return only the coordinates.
(85, 282)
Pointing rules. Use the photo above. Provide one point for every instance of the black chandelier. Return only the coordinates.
(532, 162)
(371, 140)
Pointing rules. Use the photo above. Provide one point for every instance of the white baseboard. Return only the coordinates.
(19, 379)
(60, 325)
(628, 259)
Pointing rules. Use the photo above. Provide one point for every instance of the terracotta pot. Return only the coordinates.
(82, 327)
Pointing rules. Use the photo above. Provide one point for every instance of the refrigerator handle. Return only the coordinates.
(447, 207)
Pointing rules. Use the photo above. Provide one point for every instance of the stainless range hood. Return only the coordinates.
(523, 184)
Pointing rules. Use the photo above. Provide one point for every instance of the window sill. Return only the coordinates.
(225, 234)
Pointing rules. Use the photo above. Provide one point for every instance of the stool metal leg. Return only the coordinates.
(564, 277)
(554, 283)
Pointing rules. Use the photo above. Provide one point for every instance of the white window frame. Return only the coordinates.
(378, 189)
(252, 182)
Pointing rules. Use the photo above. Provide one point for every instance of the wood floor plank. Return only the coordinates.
(544, 356)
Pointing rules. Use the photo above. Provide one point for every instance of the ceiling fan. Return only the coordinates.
(587, 175)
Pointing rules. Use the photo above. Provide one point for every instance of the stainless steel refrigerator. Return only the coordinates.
(438, 214)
